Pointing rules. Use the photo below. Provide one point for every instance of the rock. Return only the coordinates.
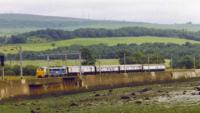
(16, 104)
(146, 98)
(160, 91)
(145, 90)
(89, 104)
(97, 95)
(184, 92)
(32, 111)
(110, 90)
(34, 104)
(133, 93)
(125, 97)
(23, 104)
(197, 88)
(138, 102)
(73, 104)
(37, 108)
(193, 93)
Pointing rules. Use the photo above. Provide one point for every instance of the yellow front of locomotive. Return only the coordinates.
(41, 72)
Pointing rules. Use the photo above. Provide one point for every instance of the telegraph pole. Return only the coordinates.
(172, 63)
(3, 74)
(99, 65)
(21, 65)
(65, 59)
(80, 64)
(2, 59)
(157, 55)
(124, 62)
(48, 58)
(194, 62)
(148, 64)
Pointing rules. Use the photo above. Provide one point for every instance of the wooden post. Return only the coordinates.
(172, 63)
(124, 62)
(21, 65)
(80, 64)
(194, 62)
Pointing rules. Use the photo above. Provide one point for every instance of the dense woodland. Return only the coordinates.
(53, 35)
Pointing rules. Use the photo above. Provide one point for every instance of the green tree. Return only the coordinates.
(30, 70)
(88, 57)
(185, 62)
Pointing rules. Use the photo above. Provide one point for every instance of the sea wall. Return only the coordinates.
(186, 74)
(90, 82)
(116, 79)
(13, 89)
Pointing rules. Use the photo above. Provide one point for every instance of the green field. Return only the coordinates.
(93, 41)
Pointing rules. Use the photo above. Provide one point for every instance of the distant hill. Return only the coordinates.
(19, 23)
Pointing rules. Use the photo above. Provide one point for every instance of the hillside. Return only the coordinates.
(20, 23)
(94, 41)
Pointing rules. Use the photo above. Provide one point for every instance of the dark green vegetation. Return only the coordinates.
(28, 70)
(54, 35)
(126, 57)
(19, 23)
(183, 56)
(88, 57)
(156, 52)
(178, 97)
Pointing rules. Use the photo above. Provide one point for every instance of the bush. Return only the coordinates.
(15, 70)
(29, 70)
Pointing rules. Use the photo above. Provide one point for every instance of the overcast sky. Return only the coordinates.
(156, 11)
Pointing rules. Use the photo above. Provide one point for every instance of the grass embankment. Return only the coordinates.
(62, 62)
(69, 62)
(175, 97)
(17, 77)
(92, 41)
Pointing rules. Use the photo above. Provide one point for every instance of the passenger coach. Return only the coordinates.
(92, 70)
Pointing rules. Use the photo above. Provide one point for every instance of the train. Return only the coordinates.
(58, 71)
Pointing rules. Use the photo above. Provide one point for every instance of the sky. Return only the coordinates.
(153, 11)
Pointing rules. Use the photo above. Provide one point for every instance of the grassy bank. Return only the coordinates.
(62, 62)
(178, 97)
(69, 62)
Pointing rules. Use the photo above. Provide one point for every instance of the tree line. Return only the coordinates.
(15, 70)
(182, 55)
(53, 34)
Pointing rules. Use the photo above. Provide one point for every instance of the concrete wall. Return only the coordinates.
(13, 88)
(123, 79)
(47, 85)
(186, 74)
